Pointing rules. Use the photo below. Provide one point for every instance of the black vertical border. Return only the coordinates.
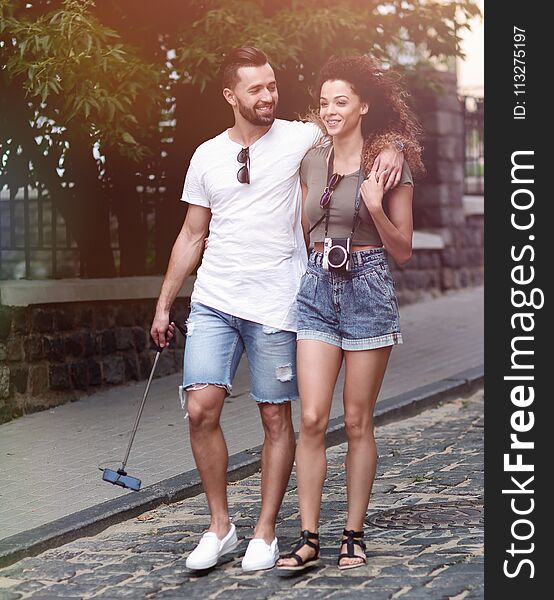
(503, 136)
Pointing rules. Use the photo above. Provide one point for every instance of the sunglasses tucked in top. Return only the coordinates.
(334, 180)
(243, 174)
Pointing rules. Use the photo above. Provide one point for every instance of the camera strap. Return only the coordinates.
(316, 224)
(356, 200)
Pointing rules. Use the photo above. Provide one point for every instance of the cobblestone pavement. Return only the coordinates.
(60, 449)
(414, 551)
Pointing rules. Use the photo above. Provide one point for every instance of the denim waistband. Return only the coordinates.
(360, 258)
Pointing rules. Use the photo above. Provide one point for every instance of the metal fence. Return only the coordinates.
(35, 242)
(474, 145)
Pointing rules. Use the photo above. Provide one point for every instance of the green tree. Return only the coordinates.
(69, 86)
(80, 75)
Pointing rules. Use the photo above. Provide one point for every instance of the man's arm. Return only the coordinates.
(394, 148)
(185, 255)
(389, 157)
(304, 220)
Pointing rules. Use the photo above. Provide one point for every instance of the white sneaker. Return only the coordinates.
(210, 548)
(260, 555)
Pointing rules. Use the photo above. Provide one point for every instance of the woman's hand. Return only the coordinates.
(389, 162)
(373, 189)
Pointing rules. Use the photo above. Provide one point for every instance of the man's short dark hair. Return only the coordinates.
(247, 56)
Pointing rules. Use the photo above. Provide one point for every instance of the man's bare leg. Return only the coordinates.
(277, 461)
(210, 451)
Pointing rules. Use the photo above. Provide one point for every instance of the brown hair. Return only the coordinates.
(247, 56)
(388, 117)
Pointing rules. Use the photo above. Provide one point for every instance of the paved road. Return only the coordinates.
(430, 473)
(49, 460)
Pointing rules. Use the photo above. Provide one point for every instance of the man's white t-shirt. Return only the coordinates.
(256, 253)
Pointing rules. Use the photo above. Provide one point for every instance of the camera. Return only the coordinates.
(336, 254)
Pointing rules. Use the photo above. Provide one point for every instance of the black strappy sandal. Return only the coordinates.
(302, 563)
(350, 540)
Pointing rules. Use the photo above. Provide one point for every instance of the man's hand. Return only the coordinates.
(391, 161)
(162, 331)
(372, 191)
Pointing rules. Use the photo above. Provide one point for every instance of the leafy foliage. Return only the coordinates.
(306, 32)
(81, 79)
(77, 73)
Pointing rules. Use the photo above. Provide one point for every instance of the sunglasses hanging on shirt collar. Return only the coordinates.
(243, 157)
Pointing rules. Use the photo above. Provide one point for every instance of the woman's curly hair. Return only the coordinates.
(388, 118)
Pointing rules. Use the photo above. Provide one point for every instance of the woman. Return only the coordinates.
(349, 312)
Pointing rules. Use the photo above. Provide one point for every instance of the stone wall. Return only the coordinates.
(431, 272)
(52, 354)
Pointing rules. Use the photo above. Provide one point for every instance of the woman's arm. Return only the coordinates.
(396, 230)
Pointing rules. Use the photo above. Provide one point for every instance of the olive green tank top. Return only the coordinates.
(313, 173)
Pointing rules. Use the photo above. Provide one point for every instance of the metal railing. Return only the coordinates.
(35, 242)
(474, 172)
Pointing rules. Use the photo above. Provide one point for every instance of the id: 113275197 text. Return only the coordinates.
(519, 73)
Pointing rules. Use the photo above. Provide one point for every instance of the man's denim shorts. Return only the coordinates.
(215, 343)
(355, 310)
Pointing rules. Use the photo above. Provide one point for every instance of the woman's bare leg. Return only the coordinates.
(365, 370)
(318, 365)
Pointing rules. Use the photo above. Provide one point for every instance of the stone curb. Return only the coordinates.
(95, 519)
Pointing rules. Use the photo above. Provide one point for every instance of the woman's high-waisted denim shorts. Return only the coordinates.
(355, 310)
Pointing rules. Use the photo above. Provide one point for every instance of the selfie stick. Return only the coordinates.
(120, 476)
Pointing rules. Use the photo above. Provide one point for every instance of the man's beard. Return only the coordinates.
(253, 117)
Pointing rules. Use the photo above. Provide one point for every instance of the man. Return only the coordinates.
(244, 186)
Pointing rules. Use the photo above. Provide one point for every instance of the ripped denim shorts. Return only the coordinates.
(214, 346)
